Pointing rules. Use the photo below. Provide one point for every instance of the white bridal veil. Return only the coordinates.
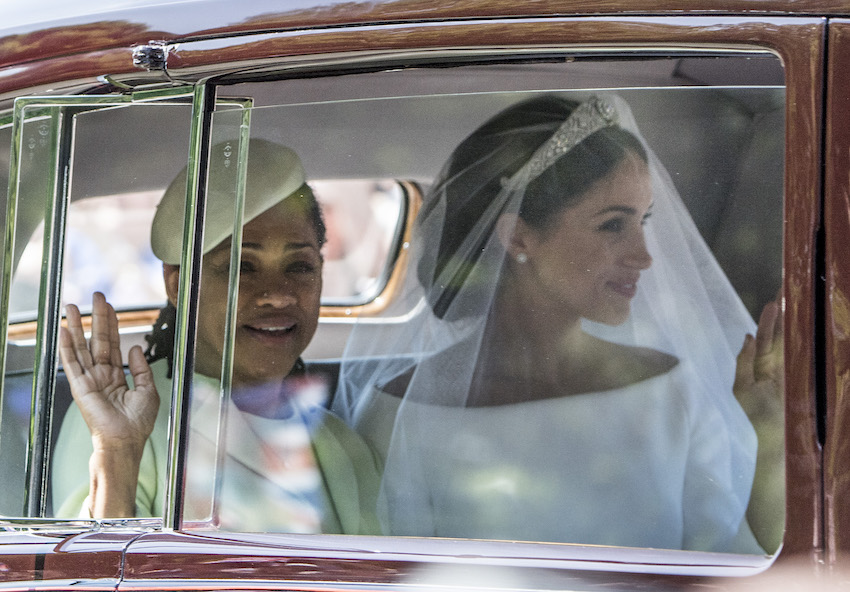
(404, 387)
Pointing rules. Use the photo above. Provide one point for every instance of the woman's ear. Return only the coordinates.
(516, 235)
(171, 276)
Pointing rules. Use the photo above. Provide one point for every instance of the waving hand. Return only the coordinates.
(759, 388)
(120, 418)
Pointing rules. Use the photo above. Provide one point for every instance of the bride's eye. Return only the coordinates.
(612, 225)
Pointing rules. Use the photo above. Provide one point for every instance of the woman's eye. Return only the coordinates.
(219, 267)
(246, 266)
(301, 267)
(612, 225)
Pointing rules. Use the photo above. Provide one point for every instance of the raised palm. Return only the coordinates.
(116, 415)
(759, 376)
(759, 388)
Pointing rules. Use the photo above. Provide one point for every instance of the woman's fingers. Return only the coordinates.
(779, 332)
(98, 360)
(68, 353)
(73, 345)
(769, 344)
(105, 344)
(114, 338)
(141, 371)
(99, 343)
(767, 329)
(761, 356)
(744, 374)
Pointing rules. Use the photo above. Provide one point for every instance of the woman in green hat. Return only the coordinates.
(289, 465)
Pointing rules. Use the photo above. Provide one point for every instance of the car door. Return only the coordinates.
(323, 106)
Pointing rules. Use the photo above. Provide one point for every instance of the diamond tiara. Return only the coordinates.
(589, 117)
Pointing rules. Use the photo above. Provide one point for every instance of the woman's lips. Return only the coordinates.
(627, 289)
(271, 331)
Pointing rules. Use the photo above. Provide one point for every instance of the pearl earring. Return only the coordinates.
(521, 257)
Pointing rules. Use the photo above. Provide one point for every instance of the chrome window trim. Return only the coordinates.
(203, 104)
(388, 59)
(468, 553)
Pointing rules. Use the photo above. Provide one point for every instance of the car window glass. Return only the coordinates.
(117, 180)
(23, 417)
(108, 251)
(715, 138)
(110, 191)
(273, 261)
(13, 417)
(115, 185)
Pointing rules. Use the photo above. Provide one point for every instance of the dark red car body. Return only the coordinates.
(93, 53)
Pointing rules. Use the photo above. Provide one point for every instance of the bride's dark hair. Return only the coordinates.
(480, 166)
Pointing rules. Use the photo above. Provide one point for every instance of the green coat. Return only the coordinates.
(346, 475)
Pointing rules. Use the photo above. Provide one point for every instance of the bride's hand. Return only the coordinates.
(115, 413)
(759, 374)
(759, 388)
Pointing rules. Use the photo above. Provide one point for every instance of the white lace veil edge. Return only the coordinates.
(685, 306)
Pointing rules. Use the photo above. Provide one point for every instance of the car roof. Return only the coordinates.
(31, 30)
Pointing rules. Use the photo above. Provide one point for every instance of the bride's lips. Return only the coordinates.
(624, 287)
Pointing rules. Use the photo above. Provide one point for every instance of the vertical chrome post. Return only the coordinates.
(49, 313)
(187, 300)
(244, 114)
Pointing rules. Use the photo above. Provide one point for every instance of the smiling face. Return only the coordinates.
(587, 261)
(279, 289)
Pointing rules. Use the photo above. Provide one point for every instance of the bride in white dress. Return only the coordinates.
(571, 377)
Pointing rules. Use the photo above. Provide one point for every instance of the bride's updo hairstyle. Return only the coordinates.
(478, 176)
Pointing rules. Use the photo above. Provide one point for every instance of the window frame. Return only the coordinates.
(522, 554)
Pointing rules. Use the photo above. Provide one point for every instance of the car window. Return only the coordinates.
(93, 245)
(11, 423)
(36, 184)
(470, 446)
(442, 395)
(121, 161)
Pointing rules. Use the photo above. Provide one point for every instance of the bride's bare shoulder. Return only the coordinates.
(626, 364)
